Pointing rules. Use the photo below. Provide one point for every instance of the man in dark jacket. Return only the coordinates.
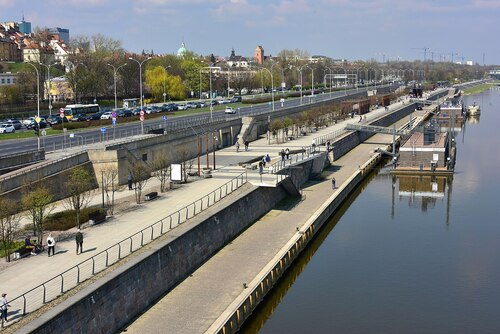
(79, 241)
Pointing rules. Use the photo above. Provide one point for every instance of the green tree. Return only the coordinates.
(9, 225)
(157, 78)
(37, 203)
(79, 185)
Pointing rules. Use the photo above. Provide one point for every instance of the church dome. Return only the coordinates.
(182, 50)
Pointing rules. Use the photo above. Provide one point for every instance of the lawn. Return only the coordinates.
(478, 89)
(26, 134)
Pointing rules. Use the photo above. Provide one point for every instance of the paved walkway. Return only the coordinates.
(20, 276)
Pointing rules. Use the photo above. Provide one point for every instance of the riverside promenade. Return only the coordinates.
(213, 294)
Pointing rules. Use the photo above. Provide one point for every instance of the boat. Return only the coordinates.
(473, 110)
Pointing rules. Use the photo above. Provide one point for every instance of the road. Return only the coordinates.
(90, 136)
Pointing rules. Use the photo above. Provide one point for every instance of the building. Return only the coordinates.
(7, 79)
(63, 34)
(258, 55)
(24, 27)
(237, 61)
(60, 89)
(182, 51)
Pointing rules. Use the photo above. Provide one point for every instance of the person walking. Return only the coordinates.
(129, 181)
(287, 153)
(268, 158)
(3, 307)
(334, 185)
(79, 242)
(283, 154)
(261, 167)
(237, 146)
(51, 243)
(246, 145)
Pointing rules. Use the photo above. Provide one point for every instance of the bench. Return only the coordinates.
(97, 217)
(152, 195)
(21, 252)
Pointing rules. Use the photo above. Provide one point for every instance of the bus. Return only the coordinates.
(73, 109)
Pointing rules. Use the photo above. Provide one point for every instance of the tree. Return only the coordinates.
(140, 175)
(161, 170)
(79, 185)
(37, 203)
(9, 225)
(110, 186)
(186, 162)
(156, 78)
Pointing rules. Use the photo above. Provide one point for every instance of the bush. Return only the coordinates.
(11, 248)
(65, 220)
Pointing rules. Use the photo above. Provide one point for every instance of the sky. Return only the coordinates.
(341, 29)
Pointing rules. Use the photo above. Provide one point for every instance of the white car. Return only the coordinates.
(7, 128)
(107, 115)
(230, 110)
(182, 107)
(28, 120)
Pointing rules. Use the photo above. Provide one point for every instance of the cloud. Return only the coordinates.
(6, 3)
(488, 4)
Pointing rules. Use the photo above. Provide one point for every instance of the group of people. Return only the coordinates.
(285, 154)
(262, 164)
(51, 244)
(238, 145)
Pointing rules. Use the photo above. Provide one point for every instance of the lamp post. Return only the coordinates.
(272, 82)
(140, 86)
(330, 71)
(165, 83)
(210, 68)
(115, 70)
(48, 93)
(37, 100)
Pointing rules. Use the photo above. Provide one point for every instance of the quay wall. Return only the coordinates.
(111, 302)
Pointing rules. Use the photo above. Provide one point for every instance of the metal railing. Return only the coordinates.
(70, 278)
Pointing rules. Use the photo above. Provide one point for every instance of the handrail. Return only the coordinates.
(73, 276)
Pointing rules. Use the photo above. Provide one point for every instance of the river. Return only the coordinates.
(404, 255)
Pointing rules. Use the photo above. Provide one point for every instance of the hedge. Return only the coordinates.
(65, 220)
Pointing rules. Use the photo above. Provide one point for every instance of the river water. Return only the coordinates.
(405, 255)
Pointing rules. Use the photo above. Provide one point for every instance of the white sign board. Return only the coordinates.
(176, 172)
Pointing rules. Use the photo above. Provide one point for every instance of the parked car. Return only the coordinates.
(182, 107)
(7, 128)
(94, 117)
(79, 118)
(235, 99)
(124, 113)
(43, 124)
(107, 115)
(230, 110)
(56, 119)
(15, 122)
(28, 120)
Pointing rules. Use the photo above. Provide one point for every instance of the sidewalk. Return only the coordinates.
(22, 275)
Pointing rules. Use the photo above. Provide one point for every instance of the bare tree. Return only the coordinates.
(140, 176)
(110, 186)
(161, 170)
(9, 225)
(186, 163)
(37, 203)
(79, 187)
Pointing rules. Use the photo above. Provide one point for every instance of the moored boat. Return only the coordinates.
(473, 110)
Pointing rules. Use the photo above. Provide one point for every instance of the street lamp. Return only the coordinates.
(37, 100)
(115, 69)
(140, 82)
(165, 83)
(210, 68)
(48, 75)
(272, 82)
(330, 71)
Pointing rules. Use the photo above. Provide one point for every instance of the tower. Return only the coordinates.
(258, 55)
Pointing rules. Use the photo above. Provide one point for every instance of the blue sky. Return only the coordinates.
(351, 29)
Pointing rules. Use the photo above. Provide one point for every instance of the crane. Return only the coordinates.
(425, 51)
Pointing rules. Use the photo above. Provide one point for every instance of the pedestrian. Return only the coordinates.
(328, 146)
(237, 146)
(268, 158)
(79, 241)
(263, 161)
(3, 307)
(129, 181)
(283, 154)
(334, 186)
(313, 145)
(364, 118)
(246, 145)
(261, 167)
(360, 118)
(51, 243)
(287, 153)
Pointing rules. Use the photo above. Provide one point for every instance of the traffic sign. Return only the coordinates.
(113, 114)
(38, 119)
(103, 130)
(61, 112)
(141, 112)
(164, 117)
(141, 118)
(44, 133)
(113, 121)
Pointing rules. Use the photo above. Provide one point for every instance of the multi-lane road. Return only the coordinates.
(173, 123)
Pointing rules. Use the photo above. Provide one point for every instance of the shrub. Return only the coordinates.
(65, 220)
